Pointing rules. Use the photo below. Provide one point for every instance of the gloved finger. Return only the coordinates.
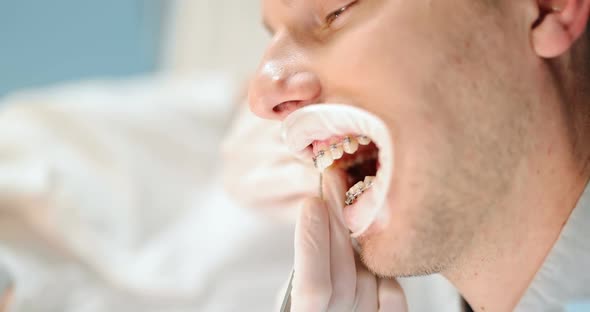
(342, 260)
(312, 287)
(255, 158)
(391, 296)
(245, 178)
(295, 180)
(342, 267)
(366, 290)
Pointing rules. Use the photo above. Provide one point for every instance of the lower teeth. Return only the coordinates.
(358, 189)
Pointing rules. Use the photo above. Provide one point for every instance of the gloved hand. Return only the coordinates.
(262, 173)
(328, 276)
(259, 170)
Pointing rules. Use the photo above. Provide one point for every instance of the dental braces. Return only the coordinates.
(315, 159)
(361, 139)
(351, 198)
(357, 190)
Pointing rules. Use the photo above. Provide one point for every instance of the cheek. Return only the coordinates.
(381, 65)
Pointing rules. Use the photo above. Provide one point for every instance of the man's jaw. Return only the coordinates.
(354, 150)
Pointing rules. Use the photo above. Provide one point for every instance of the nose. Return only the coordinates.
(281, 87)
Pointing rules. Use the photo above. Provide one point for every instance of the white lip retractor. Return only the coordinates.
(324, 121)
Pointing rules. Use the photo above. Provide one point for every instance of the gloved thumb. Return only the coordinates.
(312, 286)
(391, 296)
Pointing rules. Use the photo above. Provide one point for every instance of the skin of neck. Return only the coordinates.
(512, 245)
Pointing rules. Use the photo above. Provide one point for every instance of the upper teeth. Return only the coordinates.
(323, 160)
(350, 145)
(363, 140)
(325, 157)
(336, 151)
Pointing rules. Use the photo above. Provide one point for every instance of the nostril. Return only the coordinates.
(287, 107)
(276, 96)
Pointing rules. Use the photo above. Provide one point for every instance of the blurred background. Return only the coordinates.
(112, 115)
(49, 42)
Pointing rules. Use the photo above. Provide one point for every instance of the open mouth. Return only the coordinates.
(355, 155)
(355, 150)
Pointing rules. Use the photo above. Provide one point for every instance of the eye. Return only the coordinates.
(336, 14)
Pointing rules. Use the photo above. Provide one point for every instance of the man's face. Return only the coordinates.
(448, 77)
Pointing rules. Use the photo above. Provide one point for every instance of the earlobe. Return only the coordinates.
(560, 24)
(550, 38)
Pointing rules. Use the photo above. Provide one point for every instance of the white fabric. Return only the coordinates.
(564, 278)
(110, 201)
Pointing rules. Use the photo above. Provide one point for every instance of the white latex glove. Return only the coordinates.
(328, 277)
(262, 173)
(259, 170)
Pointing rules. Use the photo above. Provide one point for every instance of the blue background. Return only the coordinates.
(583, 306)
(43, 42)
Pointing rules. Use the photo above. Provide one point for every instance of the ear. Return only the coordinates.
(560, 24)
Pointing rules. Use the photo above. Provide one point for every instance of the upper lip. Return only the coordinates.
(323, 121)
